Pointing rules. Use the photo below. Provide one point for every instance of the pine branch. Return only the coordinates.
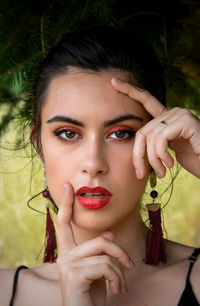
(189, 22)
(138, 14)
(42, 35)
(28, 31)
(84, 9)
(13, 69)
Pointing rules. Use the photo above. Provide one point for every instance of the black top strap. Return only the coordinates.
(15, 283)
(188, 297)
(192, 259)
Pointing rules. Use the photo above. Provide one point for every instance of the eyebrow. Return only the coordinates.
(106, 123)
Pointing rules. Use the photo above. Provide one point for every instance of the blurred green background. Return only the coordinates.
(28, 30)
(22, 229)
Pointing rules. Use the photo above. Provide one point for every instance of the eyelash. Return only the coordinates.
(58, 133)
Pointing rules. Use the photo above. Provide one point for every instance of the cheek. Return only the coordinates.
(63, 165)
(125, 177)
(124, 173)
(59, 169)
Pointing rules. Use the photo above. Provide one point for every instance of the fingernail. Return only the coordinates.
(118, 80)
(138, 174)
(157, 174)
(64, 187)
(131, 263)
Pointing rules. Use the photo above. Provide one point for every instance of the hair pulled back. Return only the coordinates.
(97, 50)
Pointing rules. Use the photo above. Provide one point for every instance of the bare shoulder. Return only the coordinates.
(27, 280)
(46, 272)
(179, 258)
(6, 284)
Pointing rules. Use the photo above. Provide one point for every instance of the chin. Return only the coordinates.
(93, 223)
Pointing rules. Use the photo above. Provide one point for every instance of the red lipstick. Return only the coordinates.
(93, 197)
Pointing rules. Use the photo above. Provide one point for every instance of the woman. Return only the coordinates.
(100, 120)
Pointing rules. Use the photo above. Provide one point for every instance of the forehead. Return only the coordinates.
(80, 92)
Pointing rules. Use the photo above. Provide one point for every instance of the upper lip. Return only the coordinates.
(97, 189)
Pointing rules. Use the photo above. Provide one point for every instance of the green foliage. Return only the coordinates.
(29, 30)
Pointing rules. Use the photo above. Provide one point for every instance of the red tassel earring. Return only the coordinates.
(155, 247)
(50, 253)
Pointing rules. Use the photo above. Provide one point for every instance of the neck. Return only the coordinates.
(130, 234)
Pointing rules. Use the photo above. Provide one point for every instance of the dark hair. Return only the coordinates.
(97, 50)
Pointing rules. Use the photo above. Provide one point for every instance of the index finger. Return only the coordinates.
(149, 102)
(63, 226)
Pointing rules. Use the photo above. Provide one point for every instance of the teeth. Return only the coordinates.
(93, 195)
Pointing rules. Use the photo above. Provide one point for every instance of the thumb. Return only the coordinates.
(108, 235)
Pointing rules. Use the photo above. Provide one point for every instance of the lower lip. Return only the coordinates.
(90, 203)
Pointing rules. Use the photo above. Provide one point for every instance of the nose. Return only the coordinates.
(94, 161)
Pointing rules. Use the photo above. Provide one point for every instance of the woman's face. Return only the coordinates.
(92, 153)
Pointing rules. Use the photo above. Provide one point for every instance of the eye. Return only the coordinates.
(123, 134)
(66, 134)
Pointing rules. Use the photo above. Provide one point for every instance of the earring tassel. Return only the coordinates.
(50, 253)
(155, 247)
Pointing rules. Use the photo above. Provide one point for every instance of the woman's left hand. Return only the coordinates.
(180, 131)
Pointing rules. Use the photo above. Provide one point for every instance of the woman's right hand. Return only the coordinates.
(84, 268)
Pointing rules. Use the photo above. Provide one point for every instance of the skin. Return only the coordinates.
(181, 134)
(97, 244)
(94, 152)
